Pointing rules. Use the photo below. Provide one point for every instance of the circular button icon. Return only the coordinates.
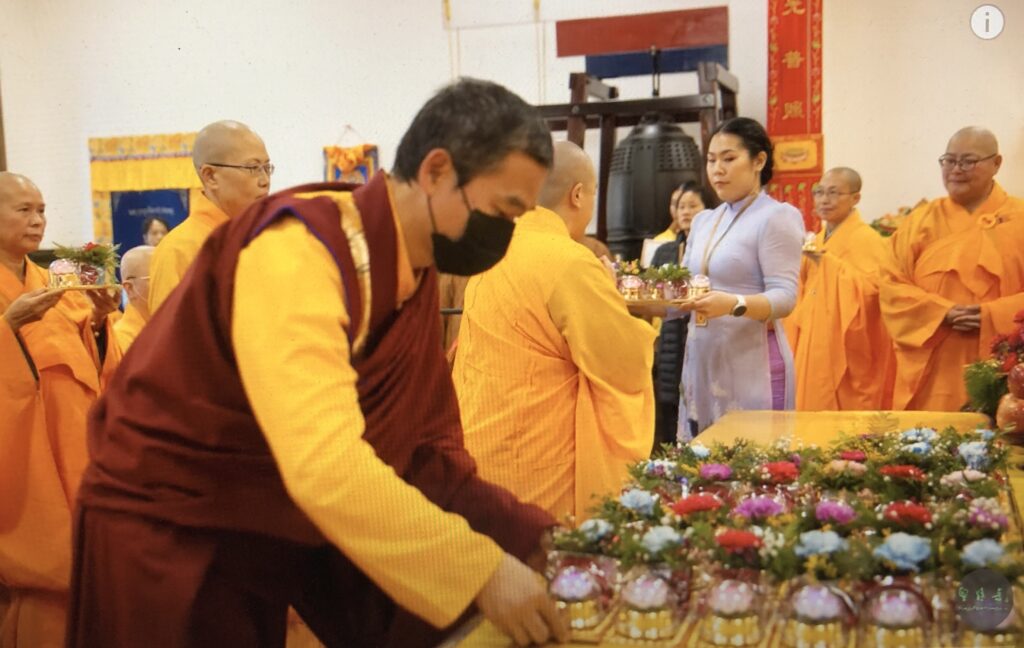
(987, 22)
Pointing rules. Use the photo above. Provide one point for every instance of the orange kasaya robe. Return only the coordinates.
(43, 454)
(945, 256)
(128, 327)
(842, 354)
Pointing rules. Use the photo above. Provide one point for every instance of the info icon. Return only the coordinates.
(987, 21)
(984, 599)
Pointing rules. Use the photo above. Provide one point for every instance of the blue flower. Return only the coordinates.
(919, 448)
(986, 435)
(813, 543)
(660, 538)
(638, 500)
(699, 450)
(974, 453)
(904, 551)
(595, 528)
(914, 435)
(982, 553)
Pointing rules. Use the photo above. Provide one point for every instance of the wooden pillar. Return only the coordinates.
(608, 123)
(576, 129)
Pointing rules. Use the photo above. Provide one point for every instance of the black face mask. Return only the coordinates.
(482, 245)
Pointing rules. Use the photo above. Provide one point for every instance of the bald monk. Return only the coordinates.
(958, 276)
(553, 373)
(843, 356)
(56, 350)
(285, 431)
(234, 168)
(135, 279)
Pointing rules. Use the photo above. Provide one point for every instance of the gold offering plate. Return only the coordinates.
(659, 302)
(91, 287)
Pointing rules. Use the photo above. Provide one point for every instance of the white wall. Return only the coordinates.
(296, 71)
(901, 77)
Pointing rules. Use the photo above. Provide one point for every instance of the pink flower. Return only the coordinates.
(715, 472)
(853, 455)
(828, 511)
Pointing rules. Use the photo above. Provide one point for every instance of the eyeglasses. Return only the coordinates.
(818, 192)
(253, 169)
(965, 163)
(135, 278)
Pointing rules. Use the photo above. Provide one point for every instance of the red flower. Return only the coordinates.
(781, 472)
(89, 246)
(735, 540)
(852, 455)
(1019, 317)
(697, 504)
(907, 513)
(997, 342)
(903, 472)
(1009, 362)
(1015, 338)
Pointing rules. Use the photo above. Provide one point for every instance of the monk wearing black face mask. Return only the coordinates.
(287, 432)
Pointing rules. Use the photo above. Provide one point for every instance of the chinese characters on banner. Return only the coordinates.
(794, 101)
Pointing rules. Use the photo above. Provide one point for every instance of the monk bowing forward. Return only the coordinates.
(958, 276)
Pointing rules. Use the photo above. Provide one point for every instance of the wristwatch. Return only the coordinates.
(740, 308)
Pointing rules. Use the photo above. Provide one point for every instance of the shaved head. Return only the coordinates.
(978, 148)
(571, 166)
(847, 176)
(979, 140)
(22, 219)
(135, 276)
(218, 142)
(570, 188)
(135, 262)
(233, 165)
(11, 182)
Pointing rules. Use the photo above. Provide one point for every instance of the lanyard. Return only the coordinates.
(711, 248)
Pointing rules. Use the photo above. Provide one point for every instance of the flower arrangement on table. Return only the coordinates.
(887, 224)
(870, 530)
(93, 264)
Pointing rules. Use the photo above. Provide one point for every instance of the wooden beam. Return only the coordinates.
(639, 32)
(608, 126)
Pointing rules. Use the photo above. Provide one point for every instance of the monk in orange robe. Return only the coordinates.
(958, 276)
(135, 279)
(842, 354)
(234, 167)
(52, 364)
(553, 373)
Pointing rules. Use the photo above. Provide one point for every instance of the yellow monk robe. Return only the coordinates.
(842, 354)
(426, 559)
(945, 256)
(179, 248)
(128, 327)
(553, 373)
(668, 235)
(43, 453)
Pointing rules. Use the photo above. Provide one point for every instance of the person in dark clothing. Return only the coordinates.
(686, 203)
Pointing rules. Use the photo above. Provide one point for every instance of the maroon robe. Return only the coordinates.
(185, 534)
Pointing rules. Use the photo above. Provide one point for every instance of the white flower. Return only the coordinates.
(986, 435)
(813, 543)
(595, 528)
(904, 551)
(660, 538)
(699, 450)
(918, 448)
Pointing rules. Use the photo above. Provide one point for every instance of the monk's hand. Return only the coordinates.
(104, 302)
(515, 600)
(964, 318)
(715, 304)
(31, 306)
(538, 560)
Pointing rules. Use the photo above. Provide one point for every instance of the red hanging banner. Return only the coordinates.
(794, 101)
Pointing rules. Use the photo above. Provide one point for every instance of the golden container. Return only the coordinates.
(645, 625)
(582, 615)
(798, 634)
(879, 637)
(732, 631)
(972, 639)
